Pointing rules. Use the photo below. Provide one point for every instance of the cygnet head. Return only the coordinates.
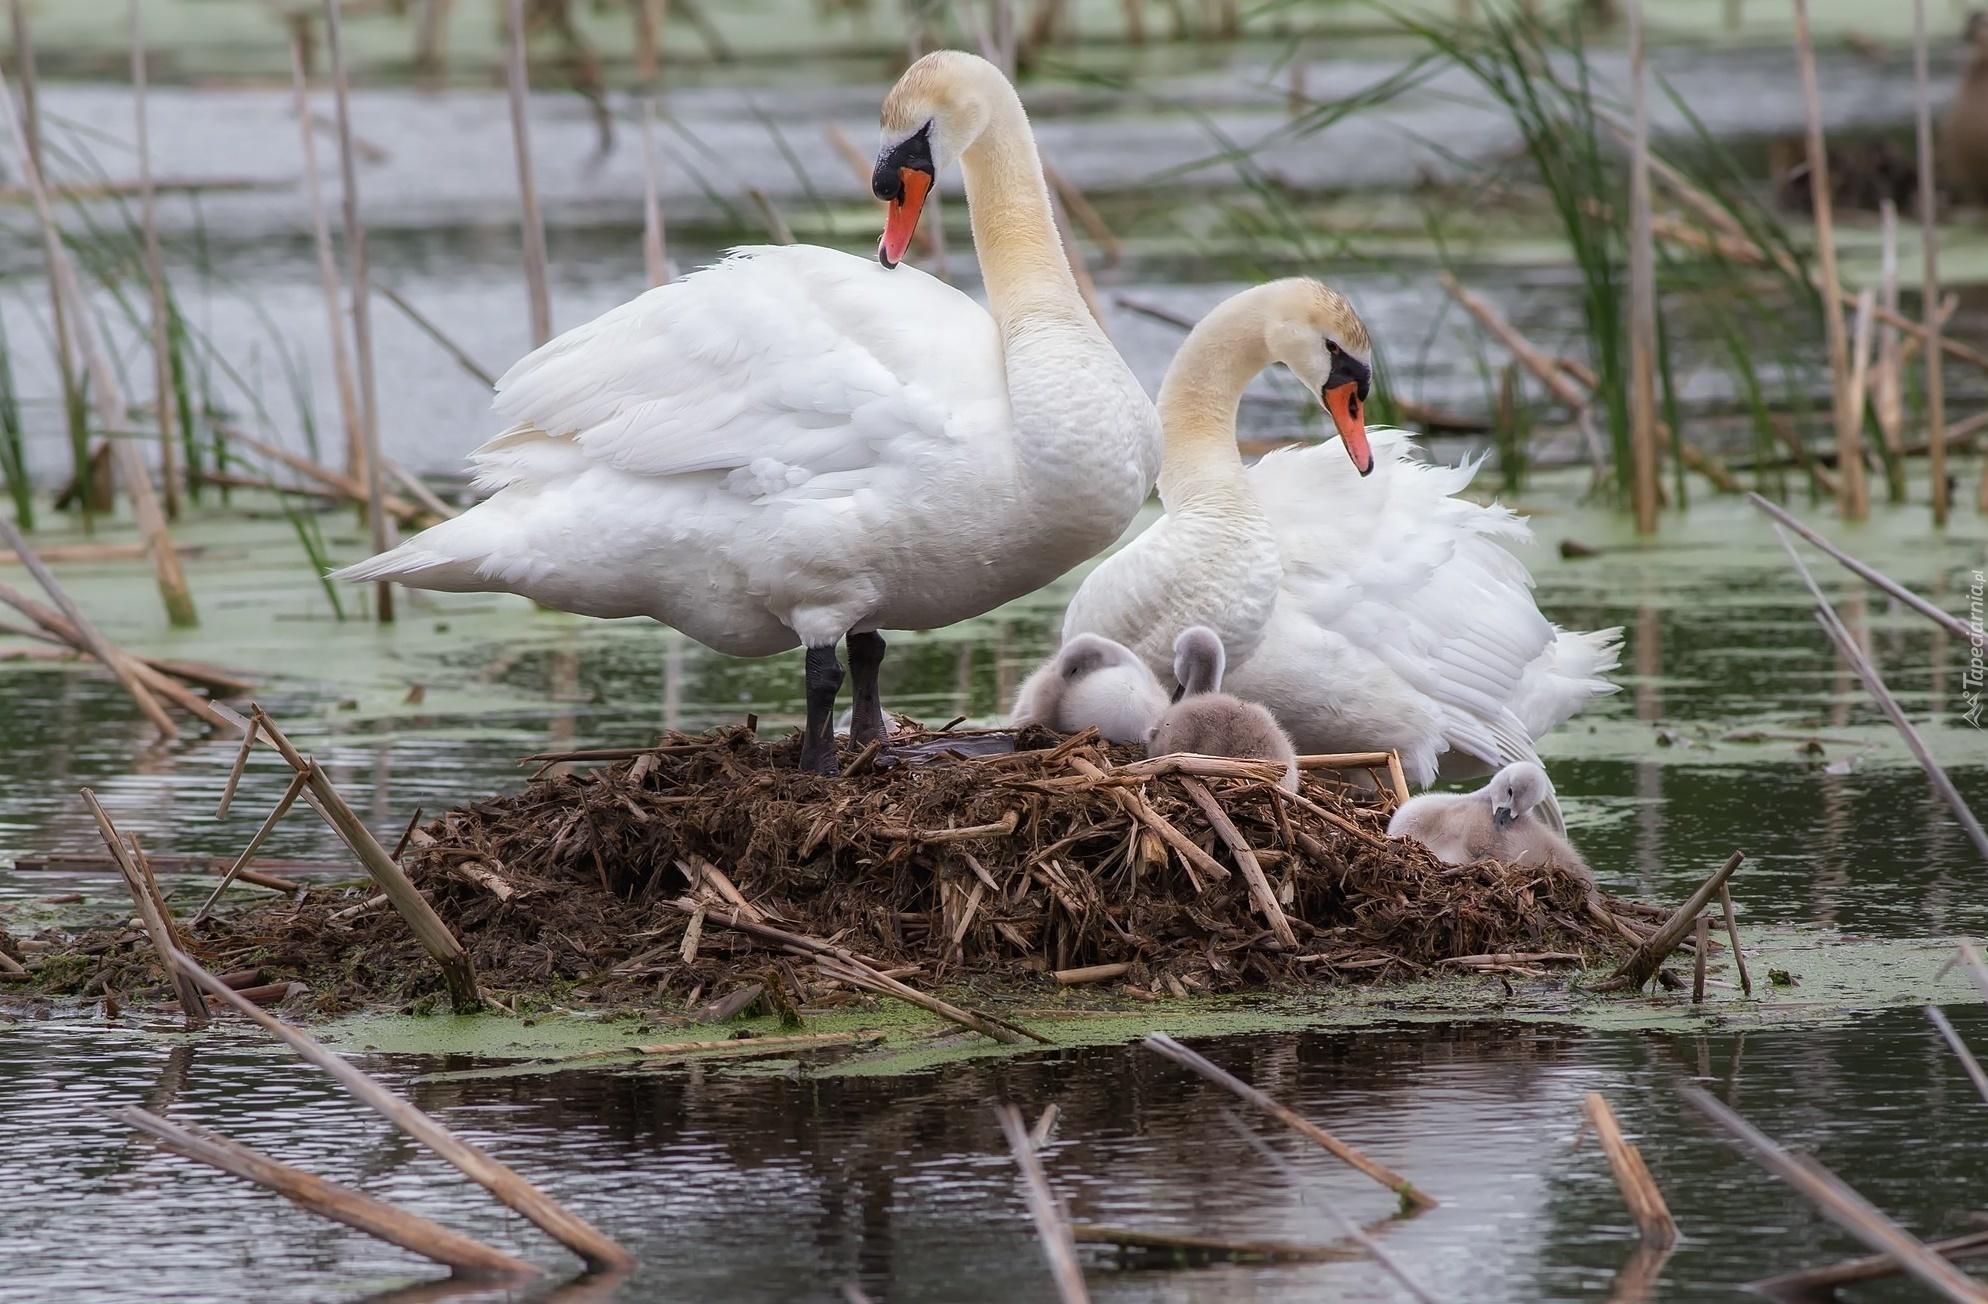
(937, 109)
(1515, 790)
(1198, 662)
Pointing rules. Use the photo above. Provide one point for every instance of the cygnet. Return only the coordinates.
(1500, 821)
(1092, 681)
(1209, 722)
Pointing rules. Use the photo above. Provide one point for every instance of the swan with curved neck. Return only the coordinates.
(797, 445)
(1355, 596)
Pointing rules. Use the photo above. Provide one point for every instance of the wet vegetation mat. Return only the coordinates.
(668, 876)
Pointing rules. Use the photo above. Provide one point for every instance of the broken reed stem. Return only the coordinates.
(1411, 1197)
(1853, 498)
(1817, 1283)
(340, 486)
(1701, 943)
(1643, 963)
(518, 87)
(1952, 624)
(1639, 1189)
(458, 975)
(1975, 1072)
(1971, 964)
(155, 271)
(649, 15)
(849, 967)
(1198, 1248)
(1642, 292)
(435, 333)
(1847, 646)
(1138, 808)
(1929, 238)
(466, 1258)
(269, 823)
(1732, 935)
(113, 414)
(335, 326)
(1252, 871)
(86, 633)
(1839, 1202)
(564, 1226)
(359, 280)
(1058, 1246)
(151, 909)
(1887, 382)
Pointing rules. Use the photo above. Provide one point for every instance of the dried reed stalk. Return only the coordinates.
(1952, 624)
(152, 910)
(649, 16)
(1887, 379)
(1137, 807)
(1646, 959)
(436, 333)
(86, 633)
(269, 823)
(434, 935)
(1732, 935)
(1411, 1197)
(517, 83)
(468, 1259)
(564, 1226)
(1929, 290)
(1260, 890)
(359, 280)
(349, 412)
(1058, 1246)
(1199, 1248)
(1840, 1203)
(1819, 1283)
(1642, 293)
(1847, 646)
(1701, 943)
(1639, 1189)
(340, 486)
(1975, 1072)
(113, 415)
(1853, 499)
(155, 271)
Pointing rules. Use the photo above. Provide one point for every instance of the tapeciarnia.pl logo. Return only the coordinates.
(1977, 662)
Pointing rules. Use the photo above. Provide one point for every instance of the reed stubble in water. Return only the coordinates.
(1639, 1190)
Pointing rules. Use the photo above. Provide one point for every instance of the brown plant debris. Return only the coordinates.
(951, 860)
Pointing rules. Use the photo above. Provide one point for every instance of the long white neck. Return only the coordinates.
(1202, 466)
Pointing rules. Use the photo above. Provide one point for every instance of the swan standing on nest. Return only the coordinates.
(798, 445)
(1367, 614)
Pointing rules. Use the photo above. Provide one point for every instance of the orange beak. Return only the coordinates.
(901, 218)
(1343, 402)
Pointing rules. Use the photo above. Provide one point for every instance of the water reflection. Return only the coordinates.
(779, 1183)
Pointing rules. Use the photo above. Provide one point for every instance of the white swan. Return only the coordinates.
(1366, 613)
(797, 444)
(1209, 722)
(1092, 681)
(1501, 821)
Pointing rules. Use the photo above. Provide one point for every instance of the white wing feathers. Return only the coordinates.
(786, 363)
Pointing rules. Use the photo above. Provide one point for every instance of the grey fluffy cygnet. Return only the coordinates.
(1092, 681)
(1208, 722)
(1500, 821)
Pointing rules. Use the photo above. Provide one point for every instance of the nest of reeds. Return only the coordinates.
(612, 879)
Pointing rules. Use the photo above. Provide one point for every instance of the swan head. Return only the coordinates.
(1314, 331)
(937, 109)
(1515, 790)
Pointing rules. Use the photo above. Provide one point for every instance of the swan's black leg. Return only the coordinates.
(824, 680)
(866, 654)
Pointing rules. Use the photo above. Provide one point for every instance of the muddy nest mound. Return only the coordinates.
(615, 878)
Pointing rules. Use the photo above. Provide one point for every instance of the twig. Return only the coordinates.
(845, 965)
(1951, 623)
(275, 816)
(1352, 1229)
(349, 410)
(1050, 1224)
(1639, 1189)
(1246, 861)
(435, 333)
(1818, 1283)
(470, 1259)
(1646, 959)
(1847, 646)
(1342, 760)
(360, 279)
(151, 909)
(1838, 1202)
(1138, 808)
(568, 1228)
(1411, 1197)
(435, 936)
(90, 640)
(1960, 1050)
(1732, 935)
